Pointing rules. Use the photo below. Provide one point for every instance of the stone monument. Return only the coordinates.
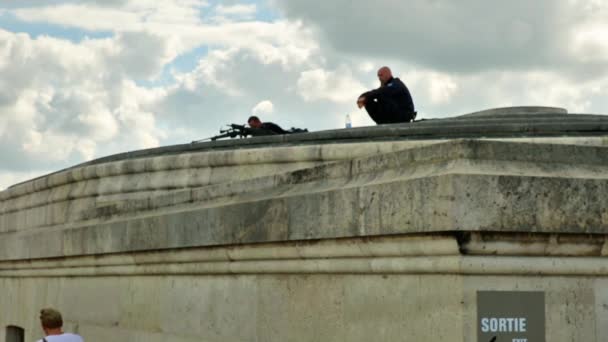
(484, 227)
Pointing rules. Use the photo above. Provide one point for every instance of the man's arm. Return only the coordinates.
(395, 87)
(361, 100)
(369, 95)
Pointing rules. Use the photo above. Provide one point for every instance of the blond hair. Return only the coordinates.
(51, 318)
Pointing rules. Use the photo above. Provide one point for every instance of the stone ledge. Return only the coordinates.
(440, 265)
(454, 186)
(530, 111)
(392, 208)
(281, 159)
(513, 122)
(456, 157)
(449, 128)
(523, 254)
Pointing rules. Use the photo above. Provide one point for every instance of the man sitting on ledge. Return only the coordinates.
(391, 103)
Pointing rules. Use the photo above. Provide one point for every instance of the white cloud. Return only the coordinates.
(88, 17)
(468, 36)
(181, 25)
(141, 55)
(126, 91)
(100, 123)
(50, 146)
(141, 125)
(337, 86)
(589, 43)
(439, 88)
(66, 100)
(239, 11)
(210, 72)
(131, 15)
(263, 108)
(367, 67)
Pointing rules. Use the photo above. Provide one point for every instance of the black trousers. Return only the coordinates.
(385, 111)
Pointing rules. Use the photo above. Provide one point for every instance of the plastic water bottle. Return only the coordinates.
(348, 124)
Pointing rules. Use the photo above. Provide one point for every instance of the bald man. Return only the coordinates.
(391, 103)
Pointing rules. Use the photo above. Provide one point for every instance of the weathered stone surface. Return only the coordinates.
(355, 295)
(529, 111)
(378, 233)
(461, 185)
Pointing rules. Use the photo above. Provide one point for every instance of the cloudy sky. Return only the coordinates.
(85, 79)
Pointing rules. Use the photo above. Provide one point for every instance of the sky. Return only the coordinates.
(84, 79)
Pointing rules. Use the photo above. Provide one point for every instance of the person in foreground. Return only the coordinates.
(52, 324)
(391, 103)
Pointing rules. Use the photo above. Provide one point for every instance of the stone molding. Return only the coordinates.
(473, 254)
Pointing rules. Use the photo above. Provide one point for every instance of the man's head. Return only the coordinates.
(254, 122)
(384, 74)
(51, 320)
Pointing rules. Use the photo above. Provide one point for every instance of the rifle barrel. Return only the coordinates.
(233, 131)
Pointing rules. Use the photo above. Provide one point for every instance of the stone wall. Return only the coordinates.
(386, 288)
(307, 239)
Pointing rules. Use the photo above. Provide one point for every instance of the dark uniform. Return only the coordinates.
(391, 103)
(267, 128)
(272, 127)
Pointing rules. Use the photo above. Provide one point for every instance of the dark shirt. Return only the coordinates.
(394, 90)
(272, 127)
(267, 128)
